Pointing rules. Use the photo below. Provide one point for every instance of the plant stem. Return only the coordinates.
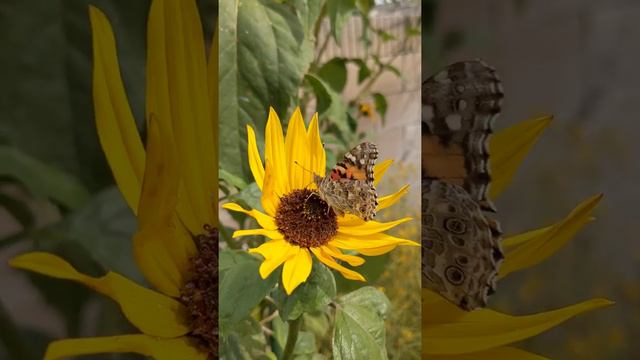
(292, 338)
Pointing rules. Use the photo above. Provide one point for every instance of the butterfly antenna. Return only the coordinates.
(302, 167)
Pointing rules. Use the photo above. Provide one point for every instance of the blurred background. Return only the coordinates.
(57, 193)
(576, 60)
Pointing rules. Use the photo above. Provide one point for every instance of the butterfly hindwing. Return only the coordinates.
(461, 243)
(349, 189)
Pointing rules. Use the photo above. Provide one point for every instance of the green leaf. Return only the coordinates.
(241, 287)
(385, 36)
(249, 197)
(231, 179)
(359, 330)
(363, 70)
(324, 99)
(372, 269)
(370, 298)
(311, 296)
(264, 53)
(354, 335)
(308, 12)
(380, 102)
(334, 73)
(246, 341)
(40, 179)
(339, 12)
(365, 6)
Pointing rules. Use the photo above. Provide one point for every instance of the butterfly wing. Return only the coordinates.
(459, 104)
(460, 250)
(349, 187)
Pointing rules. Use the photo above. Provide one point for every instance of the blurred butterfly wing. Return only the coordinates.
(459, 105)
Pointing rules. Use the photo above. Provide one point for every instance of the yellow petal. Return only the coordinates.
(116, 126)
(327, 260)
(508, 148)
(157, 348)
(485, 329)
(212, 71)
(545, 242)
(370, 227)
(275, 155)
(318, 156)
(271, 234)
(501, 353)
(151, 312)
(379, 170)
(162, 256)
(370, 243)
(275, 252)
(298, 152)
(264, 220)
(336, 253)
(386, 201)
(255, 163)
(296, 269)
(177, 90)
(270, 199)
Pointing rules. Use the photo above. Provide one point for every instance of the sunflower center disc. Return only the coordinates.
(200, 293)
(305, 219)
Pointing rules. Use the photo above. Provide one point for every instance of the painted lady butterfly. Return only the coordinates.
(349, 187)
(461, 251)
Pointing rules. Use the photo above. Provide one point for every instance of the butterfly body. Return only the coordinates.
(349, 189)
(461, 241)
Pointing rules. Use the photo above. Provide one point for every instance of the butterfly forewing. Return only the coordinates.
(461, 249)
(348, 189)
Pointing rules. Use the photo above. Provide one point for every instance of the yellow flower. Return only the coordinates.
(449, 333)
(366, 109)
(171, 186)
(296, 220)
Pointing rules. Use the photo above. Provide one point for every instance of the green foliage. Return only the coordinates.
(272, 56)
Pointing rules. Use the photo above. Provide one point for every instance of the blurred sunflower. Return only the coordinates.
(366, 109)
(171, 186)
(296, 220)
(449, 333)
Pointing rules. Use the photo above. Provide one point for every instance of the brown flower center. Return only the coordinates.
(200, 293)
(305, 219)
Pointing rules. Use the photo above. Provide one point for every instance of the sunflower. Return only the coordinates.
(171, 186)
(449, 333)
(299, 223)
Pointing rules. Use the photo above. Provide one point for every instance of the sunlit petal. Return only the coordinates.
(275, 252)
(296, 269)
(336, 253)
(264, 220)
(318, 156)
(327, 260)
(271, 234)
(298, 152)
(380, 169)
(386, 201)
(269, 199)
(255, 163)
(274, 154)
(370, 227)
